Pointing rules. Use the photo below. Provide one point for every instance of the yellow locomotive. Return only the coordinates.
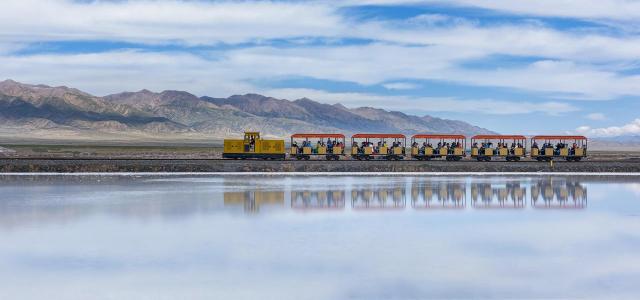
(253, 146)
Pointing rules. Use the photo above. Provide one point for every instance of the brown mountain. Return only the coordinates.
(39, 111)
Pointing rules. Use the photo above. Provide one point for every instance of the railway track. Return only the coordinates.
(35, 158)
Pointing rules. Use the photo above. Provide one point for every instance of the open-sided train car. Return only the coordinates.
(377, 146)
(253, 146)
(497, 146)
(449, 146)
(549, 147)
(328, 145)
(365, 146)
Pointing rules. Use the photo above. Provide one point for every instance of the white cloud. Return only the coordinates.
(576, 65)
(372, 64)
(592, 9)
(596, 116)
(400, 86)
(632, 128)
(423, 105)
(192, 22)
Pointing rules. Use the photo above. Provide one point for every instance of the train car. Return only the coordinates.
(374, 146)
(549, 147)
(253, 147)
(509, 147)
(450, 146)
(327, 145)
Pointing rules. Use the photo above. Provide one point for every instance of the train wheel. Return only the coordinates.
(488, 158)
(577, 159)
(337, 158)
(368, 158)
(479, 158)
(517, 158)
(458, 158)
(307, 158)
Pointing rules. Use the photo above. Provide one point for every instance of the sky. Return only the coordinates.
(527, 67)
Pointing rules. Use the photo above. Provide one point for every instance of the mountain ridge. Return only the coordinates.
(33, 110)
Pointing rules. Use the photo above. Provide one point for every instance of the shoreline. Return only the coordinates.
(140, 166)
(380, 174)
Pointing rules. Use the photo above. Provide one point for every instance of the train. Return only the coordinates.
(384, 146)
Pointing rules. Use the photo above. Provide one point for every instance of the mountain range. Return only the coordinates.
(63, 113)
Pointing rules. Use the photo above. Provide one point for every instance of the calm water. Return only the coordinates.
(240, 237)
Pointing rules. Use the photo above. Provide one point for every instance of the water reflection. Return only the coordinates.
(169, 237)
(334, 199)
(423, 194)
(439, 194)
(252, 200)
(558, 194)
(30, 201)
(379, 197)
(490, 195)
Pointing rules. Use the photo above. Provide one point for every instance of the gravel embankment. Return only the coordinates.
(182, 165)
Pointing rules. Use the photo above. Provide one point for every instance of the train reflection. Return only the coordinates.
(488, 195)
(253, 200)
(437, 195)
(378, 197)
(423, 194)
(558, 194)
(318, 199)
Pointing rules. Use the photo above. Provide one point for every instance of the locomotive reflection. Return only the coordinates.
(251, 201)
(558, 194)
(487, 195)
(437, 195)
(378, 197)
(318, 200)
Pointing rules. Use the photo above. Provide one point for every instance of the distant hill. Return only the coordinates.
(44, 112)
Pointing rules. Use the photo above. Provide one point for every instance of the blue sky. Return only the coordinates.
(528, 67)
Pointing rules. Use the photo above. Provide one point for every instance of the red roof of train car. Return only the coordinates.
(439, 136)
(497, 136)
(377, 135)
(318, 135)
(559, 137)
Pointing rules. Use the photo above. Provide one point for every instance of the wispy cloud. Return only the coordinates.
(426, 104)
(400, 86)
(596, 116)
(221, 47)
